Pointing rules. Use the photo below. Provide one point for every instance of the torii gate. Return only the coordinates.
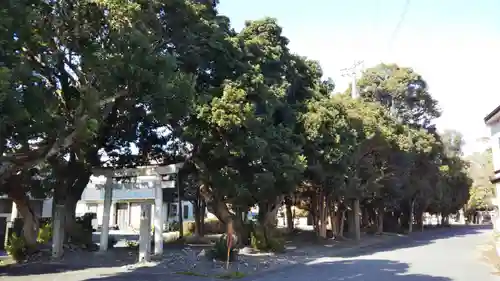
(145, 228)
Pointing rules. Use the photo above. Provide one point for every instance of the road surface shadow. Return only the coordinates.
(418, 239)
(352, 270)
(76, 260)
(120, 257)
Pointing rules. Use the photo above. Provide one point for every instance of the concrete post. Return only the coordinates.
(10, 222)
(144, 233)
(108, 196)
(58, 231)
(158, 219)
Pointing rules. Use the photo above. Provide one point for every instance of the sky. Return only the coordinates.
(453, 44)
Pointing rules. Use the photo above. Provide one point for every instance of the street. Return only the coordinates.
(444, 255)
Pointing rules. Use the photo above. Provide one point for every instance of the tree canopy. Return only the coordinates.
(86, 84)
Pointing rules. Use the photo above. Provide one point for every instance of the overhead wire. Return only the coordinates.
(400, 22)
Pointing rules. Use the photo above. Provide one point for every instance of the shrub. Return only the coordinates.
(219, 250)
(45, 234)
(231, 275)
(211, 226)
(272, 242)
(214, 226)
(132, 244)
(189, 226)
(82, 232)
(16, 248)
(173, 226)
(301, 213)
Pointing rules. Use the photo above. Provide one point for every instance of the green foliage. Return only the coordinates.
(267, 240)
(191, 273)
(401, 89)
(132, 244)
(301, 213)
(479, 170)
(252, 122)
(219, 250)
(17, 248)
(231, 275)
(45, 233)
(211, 226)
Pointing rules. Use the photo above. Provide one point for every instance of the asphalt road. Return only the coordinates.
(438, 255)
(450, 254)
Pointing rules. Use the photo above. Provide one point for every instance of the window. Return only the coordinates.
(185, 211)
(173, 210)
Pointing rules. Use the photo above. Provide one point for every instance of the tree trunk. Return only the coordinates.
(322, 214)
(289, 215)
(203, 210)
(70, 226)
(197, 220)
(422, 207)
(30, 220)
(313, 212)
(221, 211)
(357, 225)
(199, 217)
(333, 216)
(442, 220)
(267, 217)
(380, 220)
(365, 217)
(341, 224)
(16, 192)
(269, 211)
(410, 216)
(445, 219)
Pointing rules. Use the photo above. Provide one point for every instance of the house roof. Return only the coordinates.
(492, 115)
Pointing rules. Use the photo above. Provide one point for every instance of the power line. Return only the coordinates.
(358, 65)
(399, 24)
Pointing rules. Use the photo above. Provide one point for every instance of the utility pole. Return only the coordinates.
(354, 218)
(352, 72)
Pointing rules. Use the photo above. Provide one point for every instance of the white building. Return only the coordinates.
(492, 120)
(125, 207)
(126, 203)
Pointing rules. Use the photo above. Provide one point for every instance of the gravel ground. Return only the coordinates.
(177, 262)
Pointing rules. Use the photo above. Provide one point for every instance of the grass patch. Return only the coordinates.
(191, 273)
(231, 275)
(226, 276)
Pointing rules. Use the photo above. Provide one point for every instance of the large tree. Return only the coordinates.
(72, 69)
(401, 90)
